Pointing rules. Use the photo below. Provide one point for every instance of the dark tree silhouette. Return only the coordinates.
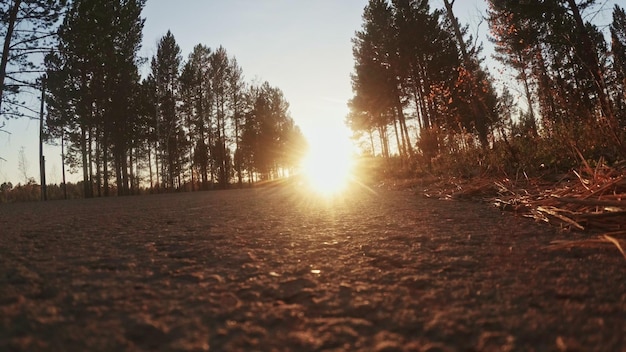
(28, 31)
(560, 63)
(165, 70)
(618, 48)
(93, 80)
(405, 55)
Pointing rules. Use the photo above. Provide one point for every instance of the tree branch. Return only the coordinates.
(23, 107)
(25, 71)
(35, 51)
(30, 40)
(25, 83)
(11, 114)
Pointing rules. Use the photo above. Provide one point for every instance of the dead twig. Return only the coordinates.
(555, 212)
(593, 202)
(616, 243)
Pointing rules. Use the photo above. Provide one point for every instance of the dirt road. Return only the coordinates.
(276, 269)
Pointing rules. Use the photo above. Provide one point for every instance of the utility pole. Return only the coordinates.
(63, 162)
(42, 159)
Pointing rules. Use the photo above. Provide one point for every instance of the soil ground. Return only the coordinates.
(275, 269)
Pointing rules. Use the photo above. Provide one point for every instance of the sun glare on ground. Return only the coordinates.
(327, 168)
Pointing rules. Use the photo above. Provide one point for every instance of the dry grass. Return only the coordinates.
(592, 200)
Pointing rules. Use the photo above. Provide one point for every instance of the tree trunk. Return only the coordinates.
(406, 141)
(478, 106)
(42, 159)
(131, 171)
(156, 164)
(4, 61)
(83, 150)
(150, 166)
(384, 141)
(529, 99)
(546, 101)
(98, 163)
(63, 162)
(407, 138)
(105, 163)
(420, 109)
(117, 160)
(90, 155)
(125, 169)
(590, 59)
(399, 144)
(457, 31)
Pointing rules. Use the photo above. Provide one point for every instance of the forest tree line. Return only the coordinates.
(417, 63)
(188, 123)
(421, 90)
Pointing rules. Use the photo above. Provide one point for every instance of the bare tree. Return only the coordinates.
(22, 165)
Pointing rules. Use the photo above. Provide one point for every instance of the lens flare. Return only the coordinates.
(328, 166)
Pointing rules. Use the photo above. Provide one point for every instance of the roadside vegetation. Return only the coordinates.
(191, 122)
(550, 143)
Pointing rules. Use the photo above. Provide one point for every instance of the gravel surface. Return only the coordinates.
(274, 269)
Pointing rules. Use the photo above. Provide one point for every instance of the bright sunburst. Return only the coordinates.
(328, 165)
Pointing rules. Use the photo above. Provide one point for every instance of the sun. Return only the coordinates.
(327, 167)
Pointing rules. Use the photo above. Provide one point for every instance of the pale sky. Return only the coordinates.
(302, 47)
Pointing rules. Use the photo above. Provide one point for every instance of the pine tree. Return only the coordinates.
(220, 72)
(474, 95)
(93, 81)
(195, 80)
(165, 69)
(237, 103)
(618, 49)
(122, 82)
(373, 81)
(268, 134)
(28, 31)
(558, 57)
